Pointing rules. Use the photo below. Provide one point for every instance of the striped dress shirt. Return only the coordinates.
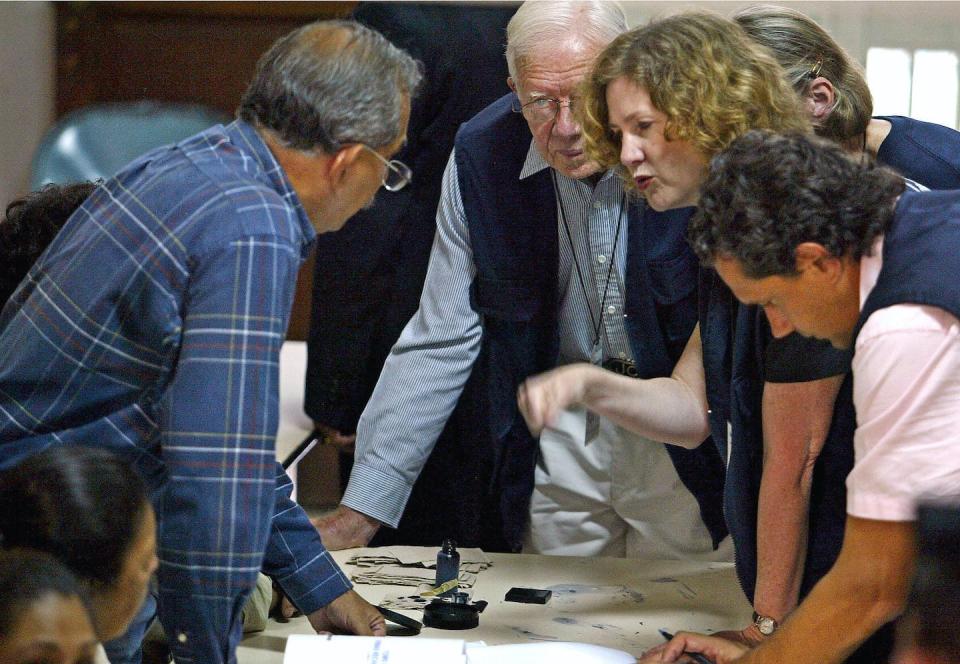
(152, 327)
(428, 367)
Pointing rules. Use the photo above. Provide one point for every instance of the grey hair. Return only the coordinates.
(331, 83)
(537, 23)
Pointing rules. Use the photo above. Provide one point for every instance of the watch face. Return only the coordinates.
(767, 626)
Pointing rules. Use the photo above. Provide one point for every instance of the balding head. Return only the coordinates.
(329, 84)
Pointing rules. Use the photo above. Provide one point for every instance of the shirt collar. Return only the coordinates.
(534, 163)
(870, 267)
(244, 135)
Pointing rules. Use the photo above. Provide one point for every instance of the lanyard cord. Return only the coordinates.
(613, 256)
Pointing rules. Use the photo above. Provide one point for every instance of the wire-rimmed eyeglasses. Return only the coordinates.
(543, 109)
(398, 174)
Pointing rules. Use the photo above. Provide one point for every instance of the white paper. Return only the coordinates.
(555, 653)
(309, 649)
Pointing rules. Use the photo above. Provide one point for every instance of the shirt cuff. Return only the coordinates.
(376, 494)
(315, 584)
(880, 507)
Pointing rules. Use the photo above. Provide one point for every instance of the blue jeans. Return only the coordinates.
(126, 649)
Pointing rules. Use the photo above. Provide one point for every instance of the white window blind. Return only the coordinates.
(922, 84)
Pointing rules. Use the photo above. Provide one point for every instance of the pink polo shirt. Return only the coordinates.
(906, 388)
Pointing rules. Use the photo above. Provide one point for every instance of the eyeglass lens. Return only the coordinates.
(398, 175)
(546, 109)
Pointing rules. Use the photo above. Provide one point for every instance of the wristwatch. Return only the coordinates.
(765, 624)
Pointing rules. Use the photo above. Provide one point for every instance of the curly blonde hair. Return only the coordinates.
(702, 71)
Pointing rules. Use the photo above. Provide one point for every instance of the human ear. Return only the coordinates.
(820, 99)
(511, 84)
(342, 161)
(814, 258)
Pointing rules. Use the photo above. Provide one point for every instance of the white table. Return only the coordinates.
(612, 602)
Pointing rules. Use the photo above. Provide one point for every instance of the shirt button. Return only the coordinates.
(597, 205)
(623, 356)
(181, 637)
(611, 309)
(601, 259)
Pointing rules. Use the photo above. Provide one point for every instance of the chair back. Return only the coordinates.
(97, 141)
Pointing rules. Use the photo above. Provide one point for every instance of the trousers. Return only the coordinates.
(617, 495)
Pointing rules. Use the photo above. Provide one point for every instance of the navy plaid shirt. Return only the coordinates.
(152, 327)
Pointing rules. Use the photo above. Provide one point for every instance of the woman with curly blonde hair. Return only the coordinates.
(660, 102)
(703, 83)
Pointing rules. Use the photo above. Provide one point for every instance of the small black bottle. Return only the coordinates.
(448, 565)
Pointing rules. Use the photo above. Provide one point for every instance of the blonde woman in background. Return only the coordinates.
(835, 93)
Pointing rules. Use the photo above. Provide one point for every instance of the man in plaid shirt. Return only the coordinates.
(152, 327)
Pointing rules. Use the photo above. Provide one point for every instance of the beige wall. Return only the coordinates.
(26, 89)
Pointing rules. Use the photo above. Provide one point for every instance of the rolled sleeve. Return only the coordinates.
(906, 388)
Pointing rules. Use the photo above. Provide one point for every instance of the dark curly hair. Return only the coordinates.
(768, 193)
(30, 224)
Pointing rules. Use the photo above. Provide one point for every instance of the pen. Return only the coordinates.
(696, 657)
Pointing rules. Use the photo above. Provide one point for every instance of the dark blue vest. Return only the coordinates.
(920, 247)
(479, 478)
(734, 340)
(922, 151)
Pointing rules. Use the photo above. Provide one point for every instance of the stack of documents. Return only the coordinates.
(412, 565)
(406, 576)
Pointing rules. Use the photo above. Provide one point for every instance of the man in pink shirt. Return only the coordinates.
(848, 252)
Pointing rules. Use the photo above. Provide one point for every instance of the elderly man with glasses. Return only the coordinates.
(152, 327)
(539, 260)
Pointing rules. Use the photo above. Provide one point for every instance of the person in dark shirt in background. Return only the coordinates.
(369, 275)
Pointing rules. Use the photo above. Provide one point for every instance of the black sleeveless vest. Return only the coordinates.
(479, 479)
